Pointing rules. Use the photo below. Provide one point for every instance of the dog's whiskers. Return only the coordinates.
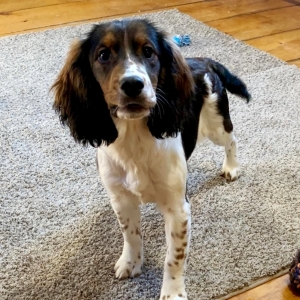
(161, 96)
(159, 108)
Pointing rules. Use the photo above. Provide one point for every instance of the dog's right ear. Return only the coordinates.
(79, 99)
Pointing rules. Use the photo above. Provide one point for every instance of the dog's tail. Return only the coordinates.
(231, 82)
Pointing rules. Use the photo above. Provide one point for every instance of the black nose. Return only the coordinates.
(132, 86)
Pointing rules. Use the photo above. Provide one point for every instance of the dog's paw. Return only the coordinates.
(127, 267)
(230, 173)
(173, 289)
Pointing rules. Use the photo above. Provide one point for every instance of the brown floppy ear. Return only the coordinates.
(174, 90)
(79, 99)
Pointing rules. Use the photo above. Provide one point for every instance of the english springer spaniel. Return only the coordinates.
(127, 90)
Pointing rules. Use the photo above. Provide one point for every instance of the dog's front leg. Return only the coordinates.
(126, 206)
(177, 226)
(127, 210)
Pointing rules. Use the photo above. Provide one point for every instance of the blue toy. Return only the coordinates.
(182, 40)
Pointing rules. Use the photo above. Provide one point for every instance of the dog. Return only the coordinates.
(127, 90)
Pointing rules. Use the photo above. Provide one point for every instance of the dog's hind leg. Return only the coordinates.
(215, 124)
(230, 168)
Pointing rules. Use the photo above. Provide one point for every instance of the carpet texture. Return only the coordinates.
(59, 238)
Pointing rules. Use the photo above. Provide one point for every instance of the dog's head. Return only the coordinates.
(124, 69)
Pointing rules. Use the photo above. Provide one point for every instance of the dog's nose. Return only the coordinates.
(132, 86)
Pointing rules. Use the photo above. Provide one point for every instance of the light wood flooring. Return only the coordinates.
(269, 25)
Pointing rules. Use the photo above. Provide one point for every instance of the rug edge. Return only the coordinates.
(255, 284)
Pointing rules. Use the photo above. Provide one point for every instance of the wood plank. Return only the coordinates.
(283, 45)
(275, 289)
(41, 17)
(216, 10)
(260, 24)
(10, 6)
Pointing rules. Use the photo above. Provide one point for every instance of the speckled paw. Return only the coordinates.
(128, 268)
(230, 174)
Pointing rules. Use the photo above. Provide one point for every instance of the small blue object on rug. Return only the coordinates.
(182, 40)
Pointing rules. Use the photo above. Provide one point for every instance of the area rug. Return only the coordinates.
(59, 238)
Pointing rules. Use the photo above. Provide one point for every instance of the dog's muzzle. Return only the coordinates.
(134, 102)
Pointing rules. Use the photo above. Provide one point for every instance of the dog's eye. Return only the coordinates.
(104, 56)
(148, 51)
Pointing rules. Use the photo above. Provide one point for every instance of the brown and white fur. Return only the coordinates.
(127, 90)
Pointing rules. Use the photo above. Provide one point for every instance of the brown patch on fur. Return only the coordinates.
(141, 38)
(184, 223)
(184, 244)
(179, 256)
(109, 40)
(169, 264)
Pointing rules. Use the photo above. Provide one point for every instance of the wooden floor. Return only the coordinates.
(269, 25)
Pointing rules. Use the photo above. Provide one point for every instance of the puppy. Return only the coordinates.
(127, 90)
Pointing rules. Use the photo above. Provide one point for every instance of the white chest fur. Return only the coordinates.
(138, 163)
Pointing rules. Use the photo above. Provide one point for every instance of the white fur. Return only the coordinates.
(137, 168)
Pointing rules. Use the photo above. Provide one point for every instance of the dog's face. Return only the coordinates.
(124, 60)
(123, 69)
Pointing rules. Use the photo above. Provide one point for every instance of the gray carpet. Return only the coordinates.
(59, 238)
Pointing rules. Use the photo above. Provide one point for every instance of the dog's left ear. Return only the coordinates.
(174, 90)
(176, 66)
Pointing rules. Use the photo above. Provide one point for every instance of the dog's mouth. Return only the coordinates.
(131, 111)
(134, 107)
